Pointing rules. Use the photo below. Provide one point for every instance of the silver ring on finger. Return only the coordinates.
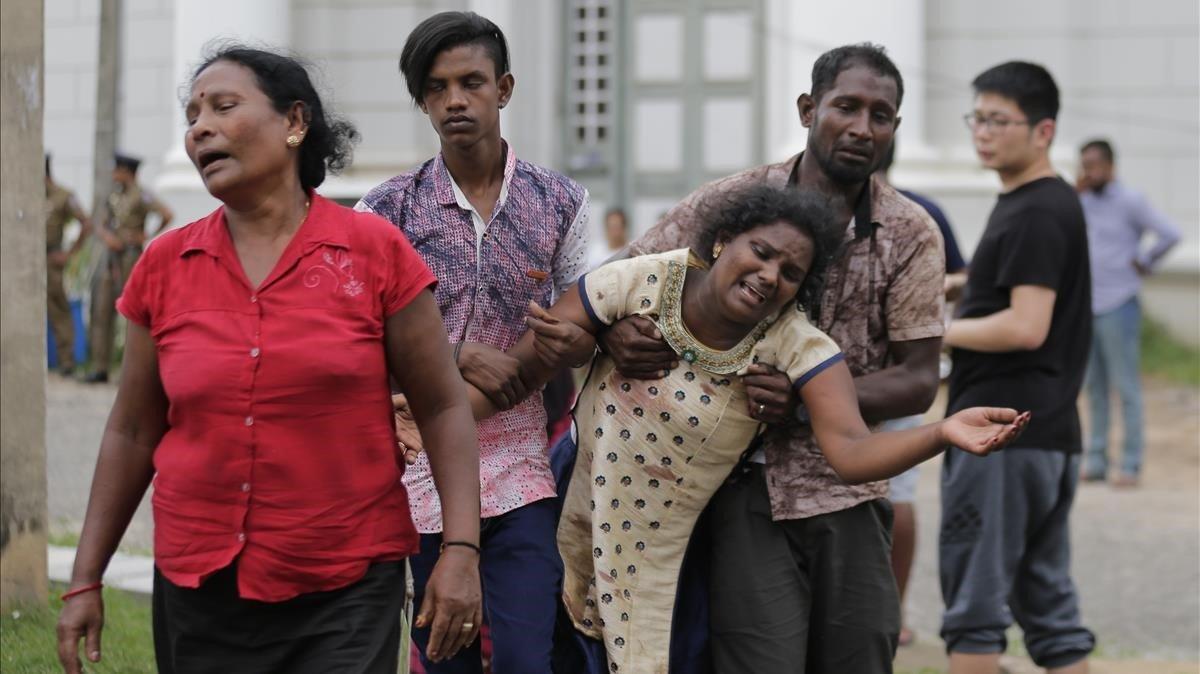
(467, 626)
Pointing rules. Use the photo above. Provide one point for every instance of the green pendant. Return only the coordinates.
(689, 355)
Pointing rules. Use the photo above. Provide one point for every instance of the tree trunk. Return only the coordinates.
(22, 307)
(108, 81)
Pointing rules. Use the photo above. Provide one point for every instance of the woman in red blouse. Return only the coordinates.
(255, 396)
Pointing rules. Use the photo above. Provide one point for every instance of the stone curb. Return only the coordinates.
(131, 573)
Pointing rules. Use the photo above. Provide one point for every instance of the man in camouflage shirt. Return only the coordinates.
(124, 233)
(61, 208)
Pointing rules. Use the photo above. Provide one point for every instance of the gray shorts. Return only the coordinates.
(1005, 554)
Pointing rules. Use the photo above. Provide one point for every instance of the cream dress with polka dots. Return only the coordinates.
(652, 453)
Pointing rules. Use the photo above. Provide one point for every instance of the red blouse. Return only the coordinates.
(280, 449)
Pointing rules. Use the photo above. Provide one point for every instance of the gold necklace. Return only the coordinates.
(690, 349)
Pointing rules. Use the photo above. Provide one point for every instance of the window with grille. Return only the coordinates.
(590, 58)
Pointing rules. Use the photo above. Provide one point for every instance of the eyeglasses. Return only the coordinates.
(975, 121)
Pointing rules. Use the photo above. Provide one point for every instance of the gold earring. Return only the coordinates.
(293, 140)
(717, 250)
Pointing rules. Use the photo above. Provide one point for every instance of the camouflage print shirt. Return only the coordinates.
(886, 287)
(60, 210)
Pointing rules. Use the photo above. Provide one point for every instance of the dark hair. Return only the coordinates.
(447, 30)
(329, 141)
(1029, 85)
(737, 212)
(1102, 146)
(831, 64)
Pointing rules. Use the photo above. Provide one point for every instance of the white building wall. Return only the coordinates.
(355, 48)
(145, 101)
(1127, 71)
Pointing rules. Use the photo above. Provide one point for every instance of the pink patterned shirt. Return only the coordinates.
(534, 248)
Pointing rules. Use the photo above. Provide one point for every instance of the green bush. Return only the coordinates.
(1167, 358)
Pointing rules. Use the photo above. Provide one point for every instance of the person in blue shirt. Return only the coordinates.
(1118, 219)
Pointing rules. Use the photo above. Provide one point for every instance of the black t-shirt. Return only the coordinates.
(1034, 236)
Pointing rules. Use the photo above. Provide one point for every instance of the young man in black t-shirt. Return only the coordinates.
(1021, 340)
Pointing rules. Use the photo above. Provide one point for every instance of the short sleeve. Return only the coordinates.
(408, 274)
(571, 259)
(681, 226)
(1033, 252)
(139, 299)
(797, 348)
(623, 288)
(917, 274)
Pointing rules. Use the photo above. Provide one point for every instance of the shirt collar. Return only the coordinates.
(325, 224)
(447, 190)
(1107, 189)
(864, 223)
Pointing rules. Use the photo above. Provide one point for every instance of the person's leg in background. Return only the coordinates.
(977, 559)
(1125, 372)
(59, 311)
(1044, 600)
(902, 492)
(1096, 464)
(103, 313)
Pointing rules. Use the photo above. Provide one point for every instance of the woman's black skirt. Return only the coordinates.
(210, 629)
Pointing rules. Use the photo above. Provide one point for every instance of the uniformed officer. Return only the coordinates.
(61, 208)
(124, 233)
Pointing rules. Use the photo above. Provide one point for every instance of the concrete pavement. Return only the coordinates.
(1135, 551)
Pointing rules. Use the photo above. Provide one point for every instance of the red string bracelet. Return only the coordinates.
(81, 590)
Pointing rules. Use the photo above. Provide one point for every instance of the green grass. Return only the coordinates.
(65, 539)
(28, 644)
(1167, 358)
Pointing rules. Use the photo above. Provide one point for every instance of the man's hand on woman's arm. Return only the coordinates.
(637, 348)
(770, 394)
(495, 373)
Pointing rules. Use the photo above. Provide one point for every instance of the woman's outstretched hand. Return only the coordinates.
(981, 430)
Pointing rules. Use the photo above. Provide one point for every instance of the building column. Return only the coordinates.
(23, 300)
(200, 24)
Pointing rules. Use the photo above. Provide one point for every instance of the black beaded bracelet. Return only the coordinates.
(464, 544)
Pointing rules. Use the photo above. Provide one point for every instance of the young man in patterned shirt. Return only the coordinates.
(498, 233)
